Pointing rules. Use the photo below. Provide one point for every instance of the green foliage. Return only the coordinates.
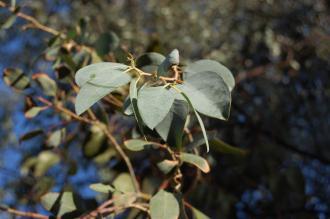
(164, 206)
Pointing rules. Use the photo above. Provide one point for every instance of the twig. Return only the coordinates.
(23, 213)
(106, 132)
(32, 20)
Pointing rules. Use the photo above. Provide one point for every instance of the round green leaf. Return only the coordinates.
(136, 144)
(208, 94)
(154, 103)
(196, 160)
(164, 206)
(205, 65)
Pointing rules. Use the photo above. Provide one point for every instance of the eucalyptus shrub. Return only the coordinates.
(162, 97)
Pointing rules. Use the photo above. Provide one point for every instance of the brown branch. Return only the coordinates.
(106, 131)
(23, 213)
(36, 24)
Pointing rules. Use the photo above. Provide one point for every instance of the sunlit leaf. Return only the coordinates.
(136, 144)
(34, 111)
(102, 188)
(15, 78)
(195, 160)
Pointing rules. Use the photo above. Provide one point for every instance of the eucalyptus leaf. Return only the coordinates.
(167, 165)
(197, 214)
(133, 95)
(149, 62)
(107, 74)
(164, 205)
(34, 111)
(136, 144)
(205, 65)
(154, 103)
(102, 188)
(172, 126)
(15, 78)
(195, 160)
(171, 59)
(208, 94)
(47, 84)
(124, 183)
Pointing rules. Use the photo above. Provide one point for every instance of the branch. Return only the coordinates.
(106, 131)
(32, 20)
(22, 213)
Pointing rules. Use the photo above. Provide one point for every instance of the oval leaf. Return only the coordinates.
(47, 84)
(164, 206)
(195, 160)
(149, 62)
(208, 94)
(103, 73)
(167, 165)
(205, 65)
(136, 144)
(102, 188)
(154, 103)
(171, 59)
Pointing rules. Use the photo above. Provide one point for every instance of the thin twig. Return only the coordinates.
(23, 213)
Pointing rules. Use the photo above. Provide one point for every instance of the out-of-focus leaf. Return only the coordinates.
(195, 160)
(45, 160)
(94, 142)
(206, 65)
(197, 214)
(106, 43)
(102, 188)
(34, 111)
(15, 78)
(55, 138)
(64, 205)
(47, 84)
(154, 103)
(164, 206)
(123, 183)
(149, 62)
(9, 22)
(30, 135)
(167, 165)
(223, 147)
(136, 144)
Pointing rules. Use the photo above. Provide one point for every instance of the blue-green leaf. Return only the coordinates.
(154, 103)
(164, 206)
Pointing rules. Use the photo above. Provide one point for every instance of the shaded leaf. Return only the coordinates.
(102, 188)
(171, 59)
(106, 42)
(15, 78)
(208, 94)
(32, 134)
(149, 62)
(154, 103)
(164, 205)
(134, 104)
(196, 160)
(205, 65)
(200, 121)
(9, 22)
(172, 126)
(197, 214)
(94, 141)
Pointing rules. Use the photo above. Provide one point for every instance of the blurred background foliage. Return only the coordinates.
(278, 51)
